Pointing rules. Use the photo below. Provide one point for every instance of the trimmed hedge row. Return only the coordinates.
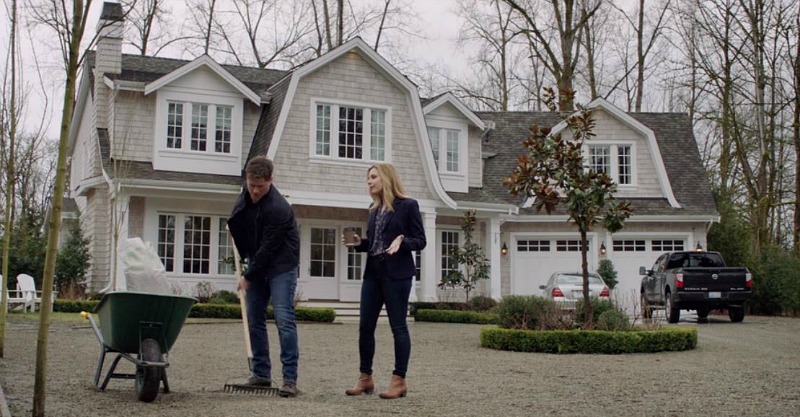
(454, 316)
(590, 341)
(210, 311)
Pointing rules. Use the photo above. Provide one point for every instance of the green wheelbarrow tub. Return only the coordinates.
(123, 313)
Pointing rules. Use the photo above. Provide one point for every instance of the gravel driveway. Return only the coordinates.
(745, 369)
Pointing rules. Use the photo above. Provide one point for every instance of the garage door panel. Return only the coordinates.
(535, 259)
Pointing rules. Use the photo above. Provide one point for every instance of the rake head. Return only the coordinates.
(250, 390)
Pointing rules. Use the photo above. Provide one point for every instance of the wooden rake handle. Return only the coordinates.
(242, 303)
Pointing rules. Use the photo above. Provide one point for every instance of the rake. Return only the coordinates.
(239, 388)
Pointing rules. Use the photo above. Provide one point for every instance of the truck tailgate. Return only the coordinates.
(715, 279)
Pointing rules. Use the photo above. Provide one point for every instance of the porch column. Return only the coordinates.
(495, 260)
(119, 226)
(428, 267)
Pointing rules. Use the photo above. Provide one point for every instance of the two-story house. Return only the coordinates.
(158, 145)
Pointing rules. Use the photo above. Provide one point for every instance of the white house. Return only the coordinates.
(158, 145)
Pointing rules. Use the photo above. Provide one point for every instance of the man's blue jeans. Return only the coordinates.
(376, 290)
(281, 289)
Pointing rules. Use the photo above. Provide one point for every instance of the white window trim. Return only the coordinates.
(184, 159)
(452, 181)
(180, 218)
(439, 242)
(614, 155)
(334, 159)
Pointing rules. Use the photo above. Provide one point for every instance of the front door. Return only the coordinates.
(322, 283)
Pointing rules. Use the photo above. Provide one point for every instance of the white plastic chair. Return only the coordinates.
(19, 298)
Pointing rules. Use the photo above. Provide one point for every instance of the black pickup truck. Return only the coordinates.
(694, 281)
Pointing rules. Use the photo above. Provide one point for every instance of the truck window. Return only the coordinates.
(695, 259)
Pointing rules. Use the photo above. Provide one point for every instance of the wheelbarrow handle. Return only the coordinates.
(242, 302)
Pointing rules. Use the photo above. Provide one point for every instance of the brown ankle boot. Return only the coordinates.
(365, 385)
(397, 388)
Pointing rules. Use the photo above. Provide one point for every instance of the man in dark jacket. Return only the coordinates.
(264, 230)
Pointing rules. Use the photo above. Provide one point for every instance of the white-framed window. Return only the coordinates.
(447, 148)
(667, 245)
(355, 261)
(349, 131)
(629, 245)
(206, 120)
(194, 244)
(616, 160)
(526, 245)
(323, 252)
(418, 266)
(450, 239)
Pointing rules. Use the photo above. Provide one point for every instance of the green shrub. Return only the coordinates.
(453, 316)
(523, 311)
(613, 320)
(608, 273)
(439, 305)
(74, 306)
(776, 283)
(598, 307)
(216, 311)
(481, 303)
(590, 341)
(224, 297)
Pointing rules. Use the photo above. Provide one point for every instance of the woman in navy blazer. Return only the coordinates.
(394, 232)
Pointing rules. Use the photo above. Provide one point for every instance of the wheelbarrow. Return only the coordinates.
(141, 328)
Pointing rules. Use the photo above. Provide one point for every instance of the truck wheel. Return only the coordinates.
(736, 314)
(673, 314)
(647, 311)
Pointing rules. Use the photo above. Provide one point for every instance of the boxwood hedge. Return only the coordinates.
(590, 341)
(455, 316)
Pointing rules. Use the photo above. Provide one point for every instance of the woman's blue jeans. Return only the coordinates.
(377, 290)
(281, 289)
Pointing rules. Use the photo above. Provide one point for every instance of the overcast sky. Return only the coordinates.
(438, 25)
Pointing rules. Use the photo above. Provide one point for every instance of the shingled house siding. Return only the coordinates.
(351, 79)
(251, 115)
(85, 162)
(475, 158)
(99, 233)
(133, 121)
(609, 128)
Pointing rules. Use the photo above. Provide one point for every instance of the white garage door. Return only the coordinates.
(629, 254)
(536, 258)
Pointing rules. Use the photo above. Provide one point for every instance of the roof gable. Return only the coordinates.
(449, 98)
(203, 61)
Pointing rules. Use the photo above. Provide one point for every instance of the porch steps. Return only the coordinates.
(346, 311)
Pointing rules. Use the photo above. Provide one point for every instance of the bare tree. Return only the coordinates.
(149, 19)
(201, 29)
(560, 59)
(69, 26)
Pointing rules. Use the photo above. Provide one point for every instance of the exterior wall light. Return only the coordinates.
(603, 248)
(698, 248)
(504, 249)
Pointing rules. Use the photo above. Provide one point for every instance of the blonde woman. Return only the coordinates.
(394, 232)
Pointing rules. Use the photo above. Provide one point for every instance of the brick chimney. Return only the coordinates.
(108, 57)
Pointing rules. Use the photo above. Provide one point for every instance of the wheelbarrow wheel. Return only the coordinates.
(148, 378)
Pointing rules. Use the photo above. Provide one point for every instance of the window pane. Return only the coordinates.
(225, 249)
(174, 125)
(452, 150)
(450, 241)
(351, 132)
(355, 260)
(323, 252)
(378, 135)
(222, 142)
(196, 244)
(625, 164)
(600, 159)
(199, 127)
(166, 241)
(433, 134)
(323, 130)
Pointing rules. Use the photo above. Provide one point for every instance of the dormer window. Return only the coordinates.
(616, 160)
(446, 145)
(197, 135)
(344, 131)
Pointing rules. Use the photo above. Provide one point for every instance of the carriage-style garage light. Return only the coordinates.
(603, 248)
(699, 247)
(504, 249)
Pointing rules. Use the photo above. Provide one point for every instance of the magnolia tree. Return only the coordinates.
(469, 261)
(552, 172)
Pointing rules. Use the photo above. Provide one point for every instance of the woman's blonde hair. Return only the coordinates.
(392, 187)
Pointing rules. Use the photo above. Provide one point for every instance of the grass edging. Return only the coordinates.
(455, 316)
(590, 341)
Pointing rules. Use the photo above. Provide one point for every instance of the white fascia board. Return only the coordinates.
(181, 186)
(124, 85)
(649, 136)
(488, 207)
(323, 199)
(560, 218)
(453, 100)
(85, 185)
(77, 114)
(204, 60)
(402, 82)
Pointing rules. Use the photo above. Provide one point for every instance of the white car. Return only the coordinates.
(566, 288)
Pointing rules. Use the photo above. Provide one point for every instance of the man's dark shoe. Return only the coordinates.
(288, 390)
(258, 381)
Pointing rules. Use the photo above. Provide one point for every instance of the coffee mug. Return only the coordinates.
(350, 236)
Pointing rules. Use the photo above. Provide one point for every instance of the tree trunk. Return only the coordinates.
(796, 137)
(587, 303)
(639, 59)
(77, 25)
